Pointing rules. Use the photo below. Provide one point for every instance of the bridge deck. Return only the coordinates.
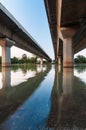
(12, 29)
(73, 12)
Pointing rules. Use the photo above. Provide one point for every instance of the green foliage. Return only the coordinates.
(23, 60)
(33, 60)
(80, 59)
(14, 60)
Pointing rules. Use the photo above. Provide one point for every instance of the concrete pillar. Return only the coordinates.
(6, 56)
(58, 17)
(6, 45)
(67, 53)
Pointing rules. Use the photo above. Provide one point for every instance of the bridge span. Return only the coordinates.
(12, 33)
(67, 22)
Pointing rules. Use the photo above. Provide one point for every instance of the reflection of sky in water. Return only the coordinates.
(41, 68)
(33, 114)
(19, 77)
(81, 75)
(16, 77)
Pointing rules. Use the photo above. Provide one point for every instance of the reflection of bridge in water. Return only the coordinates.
(68, 98)
(12, 97)
(8, 74)
(68, 109)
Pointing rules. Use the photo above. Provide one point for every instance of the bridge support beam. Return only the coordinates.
(68, 34)
(6, 45)
(67, 53)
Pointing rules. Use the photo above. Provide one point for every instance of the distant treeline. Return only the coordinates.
(25, 59)
(22, 60)
(80, 59)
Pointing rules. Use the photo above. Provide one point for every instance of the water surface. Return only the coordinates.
(43, 98)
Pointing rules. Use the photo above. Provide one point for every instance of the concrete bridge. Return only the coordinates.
(67, 22)
(12, 33)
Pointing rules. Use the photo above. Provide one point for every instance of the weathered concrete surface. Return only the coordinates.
(67, 53)
(72, 17)
(6, 44)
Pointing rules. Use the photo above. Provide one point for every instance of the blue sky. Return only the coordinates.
(32, 16)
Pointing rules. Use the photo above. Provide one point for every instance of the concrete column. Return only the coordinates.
(58, 17)
(6, 45)
(6, 56)
(67, 53)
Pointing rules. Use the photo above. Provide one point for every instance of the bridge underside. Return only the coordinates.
(67, 22)
(12, 33)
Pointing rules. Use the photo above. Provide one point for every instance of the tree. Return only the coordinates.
(14, 60)
(24, 58)
(80, 59)
(33, 60)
